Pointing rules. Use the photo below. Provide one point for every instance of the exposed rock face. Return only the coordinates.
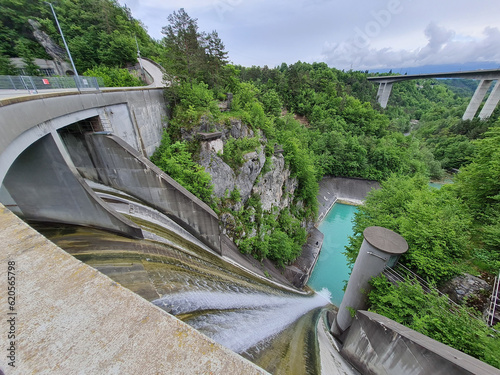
(212, 146)
(465, 286)
(223, 177)
(54, 50)
(239, 130)
(275, 187)
(248, 173)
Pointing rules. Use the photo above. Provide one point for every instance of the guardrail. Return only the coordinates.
(34, 83)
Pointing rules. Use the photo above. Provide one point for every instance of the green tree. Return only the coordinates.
(6, 67)
(434, 316)
(175, 160)
(478, 184)
(114, 77)
(434, 222)
(189, 53)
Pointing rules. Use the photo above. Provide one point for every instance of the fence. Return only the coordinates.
(494, 308)
(400, 273)
(34, 84)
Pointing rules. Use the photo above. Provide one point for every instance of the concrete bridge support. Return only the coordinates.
(477, 99)
(41, 186)
(491, 102)
(384, 91)
(118, 165)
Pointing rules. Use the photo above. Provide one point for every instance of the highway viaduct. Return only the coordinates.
(486, 78)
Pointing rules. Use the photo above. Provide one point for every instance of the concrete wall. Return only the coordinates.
(137, 115)
(71, 319)
(44, 188)
(118, 165)
(378, 345)
(352, 190)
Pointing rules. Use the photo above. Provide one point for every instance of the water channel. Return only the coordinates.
(331, 270)
(273, 327)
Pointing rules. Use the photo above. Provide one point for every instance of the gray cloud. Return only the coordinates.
(362, 34)
(443, 47)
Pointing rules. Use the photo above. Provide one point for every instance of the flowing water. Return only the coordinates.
(272, 326)
(331, 270)
(239, 320)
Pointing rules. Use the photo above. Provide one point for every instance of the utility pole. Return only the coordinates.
(77, 78)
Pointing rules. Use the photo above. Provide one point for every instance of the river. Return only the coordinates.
(331, 270)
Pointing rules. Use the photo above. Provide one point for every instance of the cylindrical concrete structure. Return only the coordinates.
(380, 248)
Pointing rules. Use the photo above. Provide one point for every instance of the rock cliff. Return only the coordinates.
(266, 178)
(54, 50)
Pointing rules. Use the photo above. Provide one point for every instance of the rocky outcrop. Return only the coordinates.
(239, 130)
(54, 50)
(469, 290)
(248, 173)
(224, 178)
(464, 287)
(275, 187)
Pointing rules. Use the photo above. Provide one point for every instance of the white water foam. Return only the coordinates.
(252, 317)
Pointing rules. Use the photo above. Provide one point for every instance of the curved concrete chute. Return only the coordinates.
(120, 166)
(44, 187)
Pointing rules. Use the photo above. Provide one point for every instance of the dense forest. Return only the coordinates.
(103, 39)
(326, 122)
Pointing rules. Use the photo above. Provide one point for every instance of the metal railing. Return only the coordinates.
(34, 84)
(399, 273)
(494, 301)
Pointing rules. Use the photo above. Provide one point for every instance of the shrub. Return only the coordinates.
(175, 160)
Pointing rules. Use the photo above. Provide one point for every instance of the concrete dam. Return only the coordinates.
(50, 144)
(66, 317)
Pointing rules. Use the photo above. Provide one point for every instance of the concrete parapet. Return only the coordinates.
(378, 345)
(71, 319)
(120, 166)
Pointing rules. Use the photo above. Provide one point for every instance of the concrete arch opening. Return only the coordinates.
(43, 185)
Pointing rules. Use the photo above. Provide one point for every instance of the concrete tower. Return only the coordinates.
(381, 247)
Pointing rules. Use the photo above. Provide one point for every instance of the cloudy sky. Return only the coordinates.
(358, 34)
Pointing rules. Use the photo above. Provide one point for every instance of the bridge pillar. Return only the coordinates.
(384, 91)
(477, 99)
(491, 102)
(45, 188)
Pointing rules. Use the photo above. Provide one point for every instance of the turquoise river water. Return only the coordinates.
(331, 270)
